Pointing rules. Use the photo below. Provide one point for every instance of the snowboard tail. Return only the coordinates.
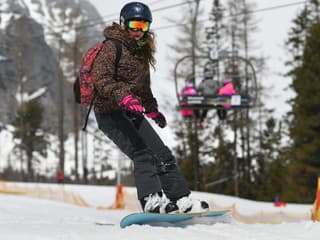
(179, 219)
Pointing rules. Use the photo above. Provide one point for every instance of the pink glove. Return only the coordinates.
(131, 104)
(158, 117)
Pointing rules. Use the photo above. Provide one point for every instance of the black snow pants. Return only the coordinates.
(155, 167)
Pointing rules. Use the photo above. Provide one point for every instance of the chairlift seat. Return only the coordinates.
(214, 101)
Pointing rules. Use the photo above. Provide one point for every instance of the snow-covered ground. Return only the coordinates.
(25, 218)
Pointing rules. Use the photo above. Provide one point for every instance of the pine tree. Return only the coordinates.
(218, 173)
(299, 43)
(296, 40)
(270, 169)
(216, 32)
(30, 133)
(305, 126)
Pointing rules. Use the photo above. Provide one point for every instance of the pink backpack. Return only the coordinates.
(83, 87)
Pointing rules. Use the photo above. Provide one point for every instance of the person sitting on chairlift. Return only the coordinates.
(188, 90)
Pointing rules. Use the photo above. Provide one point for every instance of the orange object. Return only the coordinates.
(315, 211)
(119, 197)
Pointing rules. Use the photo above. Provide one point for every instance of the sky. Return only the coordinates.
(26, 218)
(273, 27)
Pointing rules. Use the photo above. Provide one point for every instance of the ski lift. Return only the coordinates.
(225, 65)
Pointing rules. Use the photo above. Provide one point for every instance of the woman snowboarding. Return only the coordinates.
(122, 101)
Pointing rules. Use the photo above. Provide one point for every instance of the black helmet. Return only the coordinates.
(135, 11)
(209, 71)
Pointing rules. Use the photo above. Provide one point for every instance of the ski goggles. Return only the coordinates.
(136, 26)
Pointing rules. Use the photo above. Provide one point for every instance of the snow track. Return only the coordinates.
(25, 218)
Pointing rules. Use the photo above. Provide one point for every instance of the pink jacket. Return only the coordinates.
(188, 90)
(227, 90)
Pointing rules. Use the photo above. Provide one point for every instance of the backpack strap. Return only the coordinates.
(117, 60)
(118, 55)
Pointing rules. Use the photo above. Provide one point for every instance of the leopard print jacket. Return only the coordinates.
(133, 75)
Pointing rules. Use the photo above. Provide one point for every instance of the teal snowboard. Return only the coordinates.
(179, 219)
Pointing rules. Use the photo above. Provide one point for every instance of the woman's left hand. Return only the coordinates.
(158, 117)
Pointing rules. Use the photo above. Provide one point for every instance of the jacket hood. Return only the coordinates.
(114, 31)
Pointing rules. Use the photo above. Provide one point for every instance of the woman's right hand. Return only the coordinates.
(131, 104)
(158, 117)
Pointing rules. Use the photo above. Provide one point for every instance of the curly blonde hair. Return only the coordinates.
(150, 48)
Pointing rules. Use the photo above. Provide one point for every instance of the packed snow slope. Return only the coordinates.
(29, 218)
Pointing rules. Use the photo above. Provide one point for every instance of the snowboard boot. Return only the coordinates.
(188, 204)
(158, 203)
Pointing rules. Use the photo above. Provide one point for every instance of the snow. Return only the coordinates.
(3, 58)
(25, 218)
(25, 96)
(7, 145)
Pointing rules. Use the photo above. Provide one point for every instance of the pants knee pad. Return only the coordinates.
(165, 161)
(164, 154)
(142, 156)
(166, 167)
